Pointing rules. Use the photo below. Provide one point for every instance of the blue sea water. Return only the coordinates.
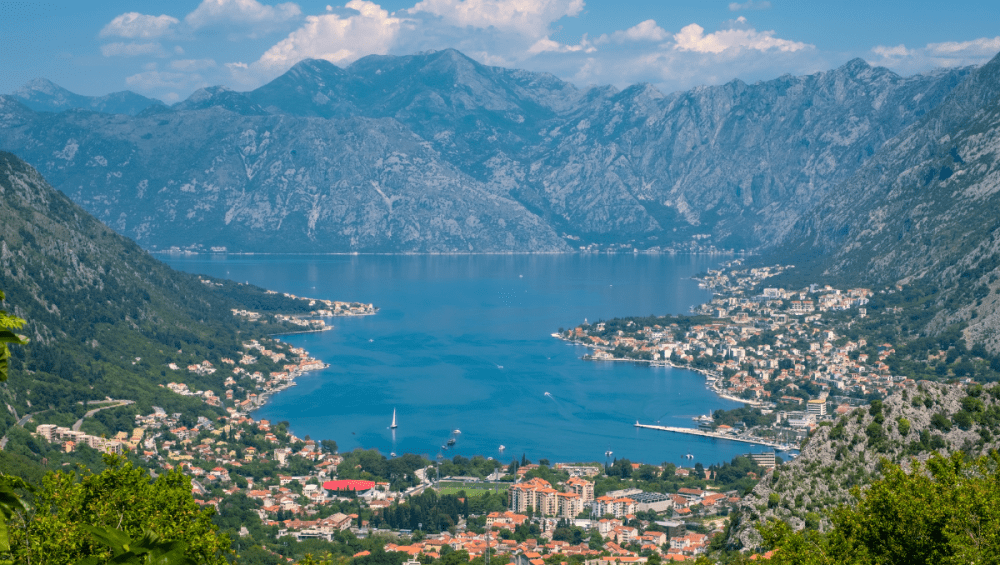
(463, 343)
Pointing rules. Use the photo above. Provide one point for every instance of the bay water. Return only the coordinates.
(461, 348)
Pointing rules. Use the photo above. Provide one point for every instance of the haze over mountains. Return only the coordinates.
(437, 153)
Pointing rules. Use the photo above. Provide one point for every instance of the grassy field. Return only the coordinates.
(447, 487)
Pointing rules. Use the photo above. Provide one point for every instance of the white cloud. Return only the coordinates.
(982, 47)
(546, 45)
(642, 31)
(335, 38)
(897, 51)
(948, 54)
(132, 50)
(242, 12)
(750, 5)
(692, 38)
(134, 25)
(524, 17)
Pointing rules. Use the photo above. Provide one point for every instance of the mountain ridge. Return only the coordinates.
(922, 211)
(42, 95)
(737, 163)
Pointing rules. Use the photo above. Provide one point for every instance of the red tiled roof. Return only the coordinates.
(348, 484)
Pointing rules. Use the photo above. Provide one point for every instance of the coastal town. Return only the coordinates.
(787, 354)
(297, 491)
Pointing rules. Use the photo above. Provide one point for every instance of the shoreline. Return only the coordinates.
(291, 382)
(323, 329)
(184, 253)
(710, 376)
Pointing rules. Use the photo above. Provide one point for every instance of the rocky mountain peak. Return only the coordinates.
(312, 71)
(43, 95)
(221, 97)
(855, 66)
(40, 86)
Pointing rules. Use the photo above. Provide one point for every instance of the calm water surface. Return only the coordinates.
(463, 343)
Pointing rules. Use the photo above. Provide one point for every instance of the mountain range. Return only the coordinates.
(435, 152)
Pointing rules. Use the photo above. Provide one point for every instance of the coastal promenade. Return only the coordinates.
(775, 445)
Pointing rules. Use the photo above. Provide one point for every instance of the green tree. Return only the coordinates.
(150, 549)
(945, 513)
(122, 498)
(11, 506)
(904, 426)
(8, 323)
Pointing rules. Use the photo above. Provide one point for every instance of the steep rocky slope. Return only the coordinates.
(847, 454)
(738, 161)
(924, 211)
(216, 177)
(437, 153)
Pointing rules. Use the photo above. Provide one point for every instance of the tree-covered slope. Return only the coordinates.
(104, 317)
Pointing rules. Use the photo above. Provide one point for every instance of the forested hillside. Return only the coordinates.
(104, 317)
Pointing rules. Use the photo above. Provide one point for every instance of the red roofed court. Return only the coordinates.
(349, 484)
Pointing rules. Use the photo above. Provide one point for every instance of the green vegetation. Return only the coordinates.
(8, 323)
(739, 474)
(105, 319)
(75, 515)
(945, 512)
(469, 489)
(750, 417)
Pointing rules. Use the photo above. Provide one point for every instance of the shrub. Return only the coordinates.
(940, 421)
(904, 426)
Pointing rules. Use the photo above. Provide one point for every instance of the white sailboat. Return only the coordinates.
(393, 426)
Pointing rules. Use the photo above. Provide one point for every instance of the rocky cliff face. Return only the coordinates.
(848, 453)
(739, 161)
(924, 211)
(437, 153)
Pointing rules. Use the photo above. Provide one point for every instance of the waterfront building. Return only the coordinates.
(766, 460)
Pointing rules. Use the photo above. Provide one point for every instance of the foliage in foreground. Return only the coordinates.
(944, 512)
(8, 322)
(117, 512)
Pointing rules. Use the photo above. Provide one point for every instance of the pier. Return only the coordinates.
(756, 441)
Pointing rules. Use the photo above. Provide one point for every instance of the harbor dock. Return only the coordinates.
(716, 435)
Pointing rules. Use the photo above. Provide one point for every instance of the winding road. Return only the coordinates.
(90, 413)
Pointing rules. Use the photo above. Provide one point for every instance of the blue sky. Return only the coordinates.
(169, 49)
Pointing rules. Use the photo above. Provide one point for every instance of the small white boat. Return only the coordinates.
(393, 426)
(502, 448)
